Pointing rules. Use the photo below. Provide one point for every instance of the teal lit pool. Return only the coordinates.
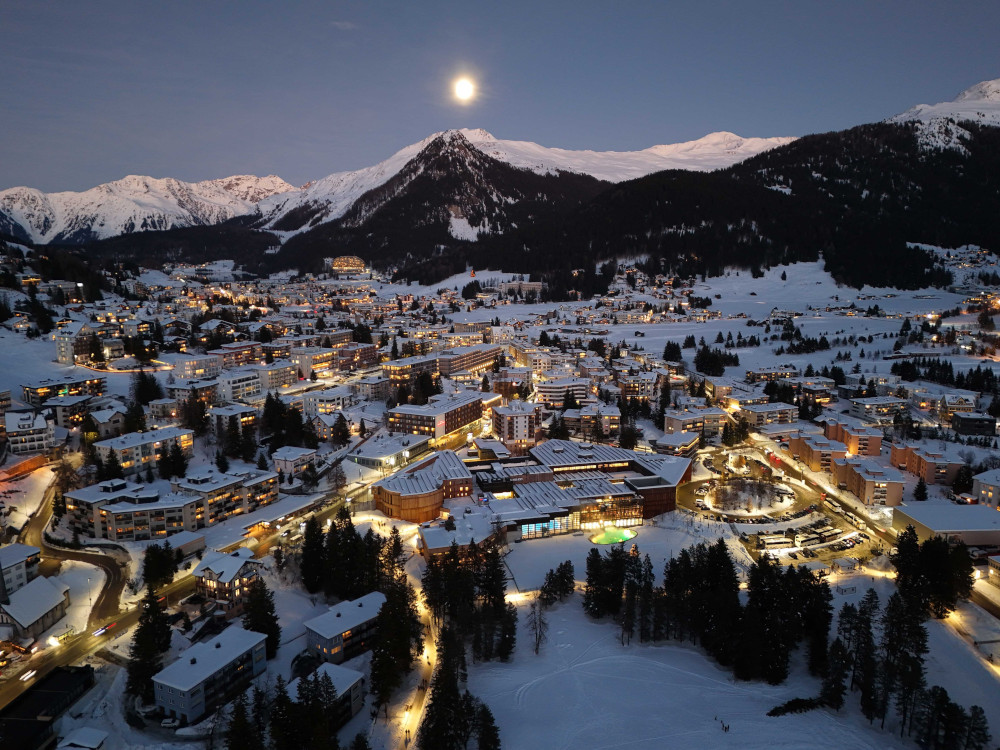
(613, 535)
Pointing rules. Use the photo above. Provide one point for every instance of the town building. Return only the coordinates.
(442, 415)
(417, 493)
(291, 461)
(816, 452)
(210, 673)
(389, 452)
(516, 425)
(931, 466)
(225, 579)
(759, 415)
(871, 483)
(878, 409)
(239, 385)
(19, 567)
(973, 423)
(346, 630)
(33, 609)
(859, 440)
(28, 432)
(138, 451)
(38, 392)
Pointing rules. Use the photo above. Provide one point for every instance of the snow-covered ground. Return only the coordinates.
(85, 582)
(585, 691)
(25, 494)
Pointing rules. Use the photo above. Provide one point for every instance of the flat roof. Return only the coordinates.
(943, 517)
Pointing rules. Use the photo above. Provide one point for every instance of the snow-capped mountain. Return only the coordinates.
(131, 204)
(937, 124)
(331, 197)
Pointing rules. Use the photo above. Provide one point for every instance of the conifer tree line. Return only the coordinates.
(285, 425)
(159, 564)
(239, 442)
(271, 719)
(466, 592)
(344, 565)
(699, 601)
(933, 576)
(880, 655)
(453, 717)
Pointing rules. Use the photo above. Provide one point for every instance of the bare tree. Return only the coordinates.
(537, 625)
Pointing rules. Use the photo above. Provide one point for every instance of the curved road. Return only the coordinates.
(107, 604)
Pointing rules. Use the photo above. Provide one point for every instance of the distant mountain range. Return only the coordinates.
(462, 197)
(138, 204)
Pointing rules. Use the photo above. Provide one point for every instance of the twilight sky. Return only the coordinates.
(196, 90)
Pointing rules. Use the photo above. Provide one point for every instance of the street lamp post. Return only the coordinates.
(90, 594)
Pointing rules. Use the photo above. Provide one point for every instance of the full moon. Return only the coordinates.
(465, 89)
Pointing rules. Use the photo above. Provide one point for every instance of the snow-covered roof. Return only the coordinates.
(291, 453)
(133, 439)
(343, 679)
(225, 566)
(33, 601)
(943, 517)
(12, 554)
(347, 615)
(84, 737)
(202, 660)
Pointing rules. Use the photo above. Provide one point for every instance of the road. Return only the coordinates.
(106, 606)
(78, 647)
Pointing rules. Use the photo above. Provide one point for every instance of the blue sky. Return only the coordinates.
(96, 90)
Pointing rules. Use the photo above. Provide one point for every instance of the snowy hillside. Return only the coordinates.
(936, 122)
(714, 151)
(331, 197)
(132, 204)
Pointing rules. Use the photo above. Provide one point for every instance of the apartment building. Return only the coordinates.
(475, 359)
(551, 392)
(73, 343)
(516, 425)
(402, 371)
(137, 451)
(209, 674)
(280, 373)
(816, 452)
(871, 483)
(442, 415)
(759, 415)
(878, 409)
(326, 401)
(239, 354)
(310, 360)
(193, 366)
(206, 391)
(239, 385)
(932, 466)
(18, 566)
(225, 578)
(38, 392)
(29, 432)
(355, 356)
(859, 440)
(346, 630)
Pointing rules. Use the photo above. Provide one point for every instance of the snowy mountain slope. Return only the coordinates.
(331, 197)
(131, 204)
(937, 123)
(714, 151)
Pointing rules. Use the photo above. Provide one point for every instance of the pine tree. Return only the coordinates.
(595, 582)
(488, 735)
(312, 564)
(150, 640)
(178, 461)
(920, 491)
(977, 733)
(241, 734)
(284, 727)
(261, 616)
(834, 683)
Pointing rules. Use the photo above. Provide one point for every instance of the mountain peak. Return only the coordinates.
(984, 91)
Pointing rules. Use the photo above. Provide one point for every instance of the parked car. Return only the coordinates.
(170, 723)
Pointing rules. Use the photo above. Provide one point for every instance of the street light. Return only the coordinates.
(90, 594)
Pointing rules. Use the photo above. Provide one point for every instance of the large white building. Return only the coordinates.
(208, 674)
(28, 432)
(19, 566)
(138, 450)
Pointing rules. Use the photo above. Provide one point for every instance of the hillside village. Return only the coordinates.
(221, 491)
